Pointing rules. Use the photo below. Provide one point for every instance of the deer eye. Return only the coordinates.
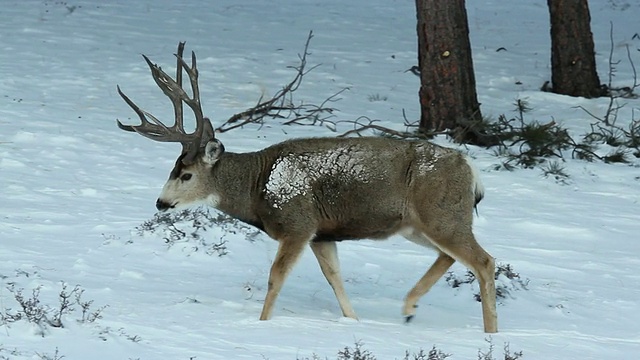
(185, 177)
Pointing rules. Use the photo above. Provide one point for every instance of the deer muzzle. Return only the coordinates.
(163, 205)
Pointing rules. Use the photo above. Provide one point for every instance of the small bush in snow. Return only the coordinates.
(359, 353)
(189, 226)
(507, 280)
(433, 354)
(7, 354)
(106, 332)
(56, 356)
(488, 355)
(556, 171)
(349, 353)
(377, 97)
(30, 308)
(526, 143)
(355, 353)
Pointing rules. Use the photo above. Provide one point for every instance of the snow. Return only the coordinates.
(287, 180)
(430, 156)
(74, 187)
(293, 174)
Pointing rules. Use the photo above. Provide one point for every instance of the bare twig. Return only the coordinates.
(611, 64)
(611, 110)
(605, 128)
(309, 114)
(364, 123)
(281, 105)
(633, 69)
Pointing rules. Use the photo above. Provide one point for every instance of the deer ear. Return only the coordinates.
(212, 151)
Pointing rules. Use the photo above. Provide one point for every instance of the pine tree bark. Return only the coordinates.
(448, 98)
(573, 63)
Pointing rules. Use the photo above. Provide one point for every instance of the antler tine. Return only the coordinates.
(156, 131)
(203, 125)
(194, 102)
(172, 88)
(178, 107)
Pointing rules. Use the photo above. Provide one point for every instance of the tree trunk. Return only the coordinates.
(573, 61)
(447, 93)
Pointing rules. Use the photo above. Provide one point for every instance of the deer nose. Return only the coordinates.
(162, 205)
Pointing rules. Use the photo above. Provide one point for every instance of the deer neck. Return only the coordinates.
(236, 180)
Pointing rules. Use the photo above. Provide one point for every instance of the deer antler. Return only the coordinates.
(156, 129)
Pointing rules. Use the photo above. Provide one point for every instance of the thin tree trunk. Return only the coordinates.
(573, 63)
(448, 98)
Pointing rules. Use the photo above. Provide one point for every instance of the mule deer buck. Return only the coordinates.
(319, 191)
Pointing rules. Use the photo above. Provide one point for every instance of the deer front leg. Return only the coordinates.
(289, 250)
(327, 254)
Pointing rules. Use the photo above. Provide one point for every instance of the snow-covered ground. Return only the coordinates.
(73, 187)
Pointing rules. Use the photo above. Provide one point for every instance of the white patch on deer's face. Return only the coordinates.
(186, 186)
(294, 174)
(213, 200)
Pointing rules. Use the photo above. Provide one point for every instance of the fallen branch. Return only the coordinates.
(282, 106)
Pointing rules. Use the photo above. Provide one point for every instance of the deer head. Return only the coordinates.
(200, 149)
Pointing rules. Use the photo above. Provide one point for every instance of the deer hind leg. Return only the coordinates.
(435, 272)
(289, 251)
(465, 248)
(327, 254)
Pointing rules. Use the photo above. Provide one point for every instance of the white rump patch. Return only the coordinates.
(477, 189)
